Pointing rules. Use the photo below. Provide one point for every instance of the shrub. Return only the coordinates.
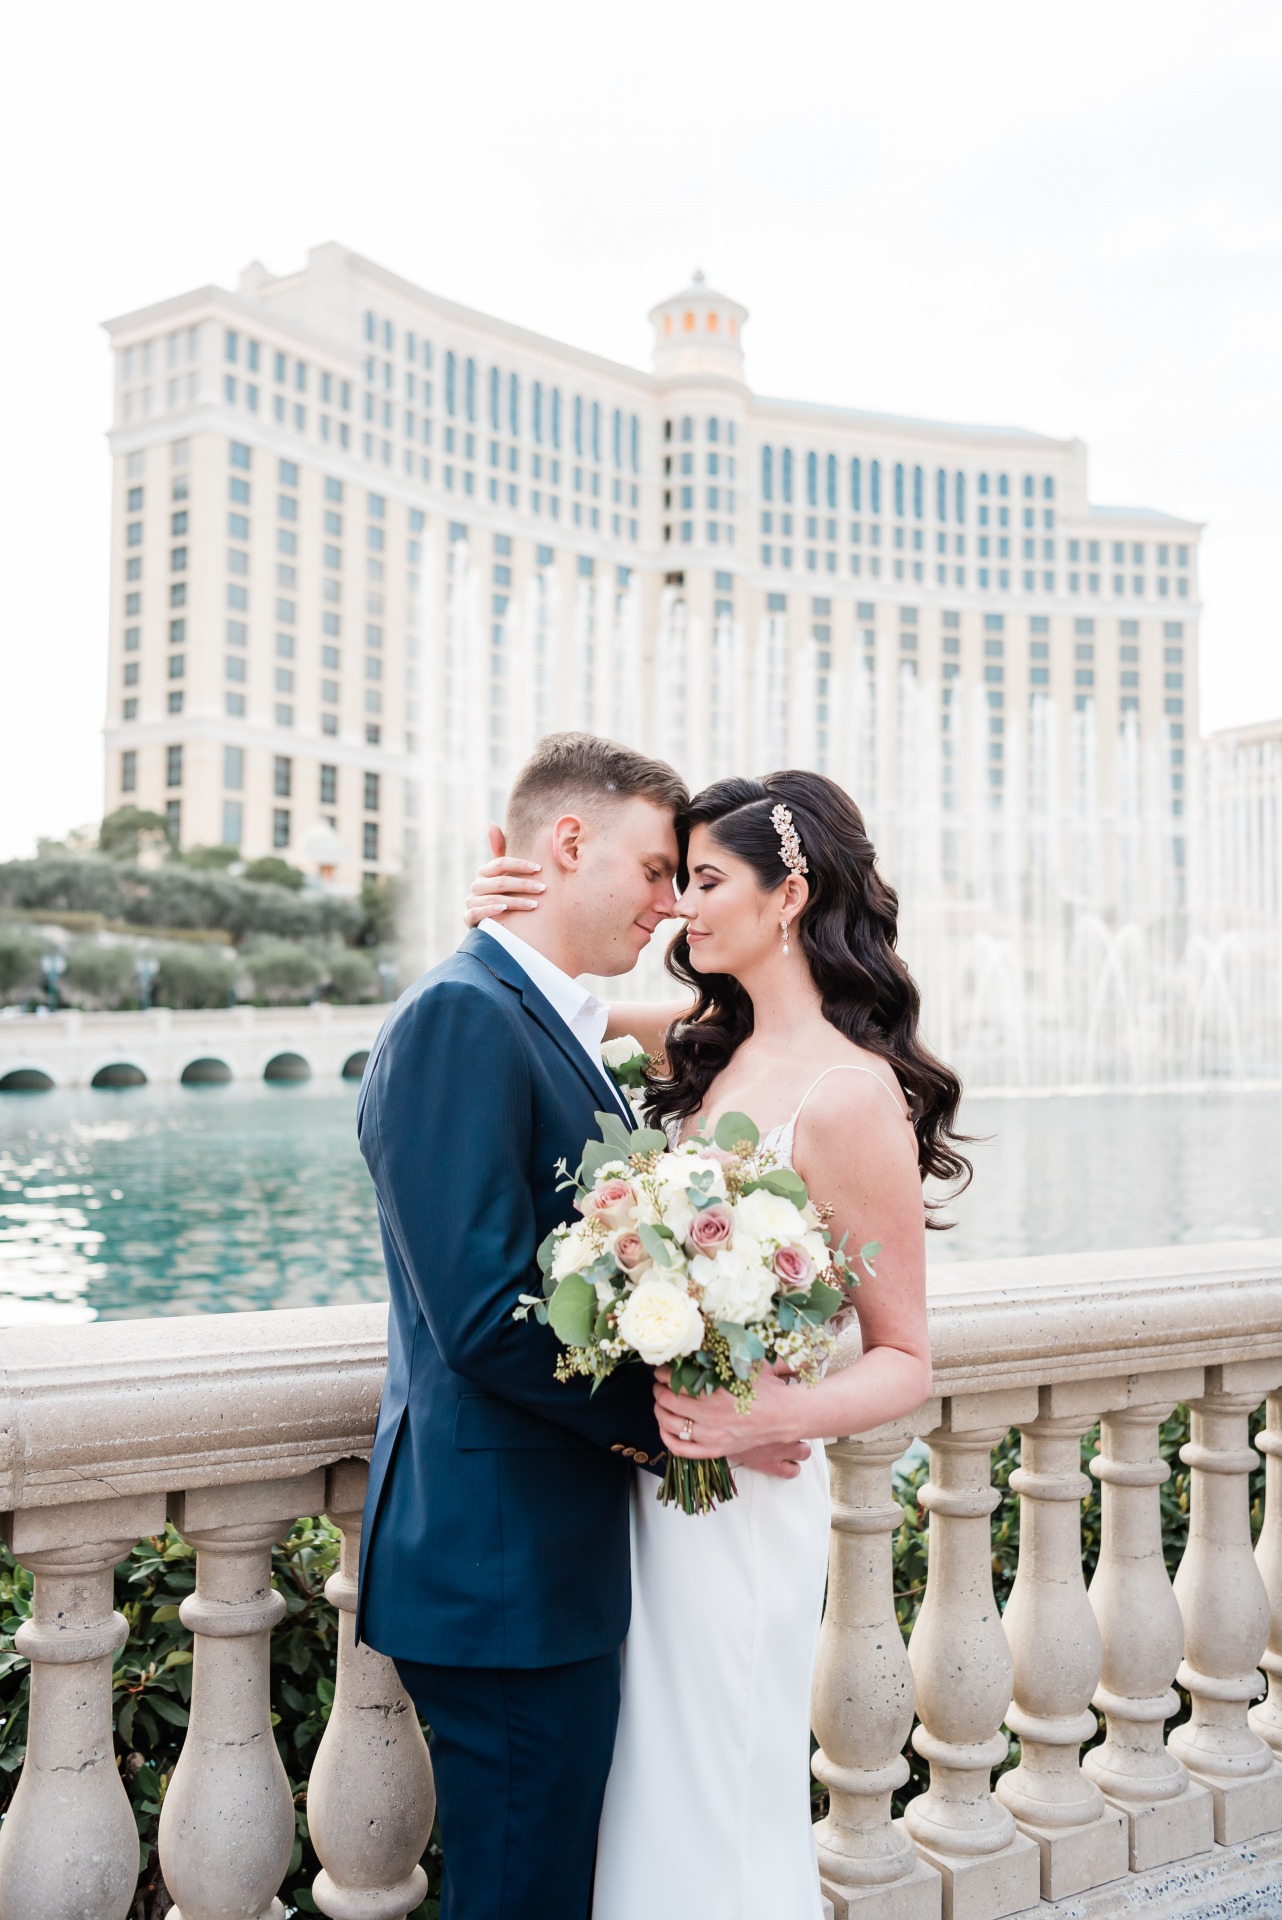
(192, 976)
(209, 859)
(353, 977)
(272, 871)
(284, 975)
(19, 964)
(99, 976)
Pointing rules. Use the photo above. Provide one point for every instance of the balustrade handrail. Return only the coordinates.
(115, 1408)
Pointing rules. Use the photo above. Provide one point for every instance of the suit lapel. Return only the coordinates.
(501, 964)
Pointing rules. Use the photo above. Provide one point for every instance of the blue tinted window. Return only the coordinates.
(556, 416)
(899, 487)
(812, 479)
(787, 474)
(578, 425)
(617, 437)
(496, 410)
(857, 485)
(941, 495)
(596, 430)
(513, 405)
(451, 382)
(919, 505)
(767, 473)
(636, 444)
(536, 411)
(874, 485)
(469, 389)
(959, 496)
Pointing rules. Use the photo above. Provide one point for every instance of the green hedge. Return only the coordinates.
(153, 1673)
(173, 895)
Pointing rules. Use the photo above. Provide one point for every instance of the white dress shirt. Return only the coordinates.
(577, 1006)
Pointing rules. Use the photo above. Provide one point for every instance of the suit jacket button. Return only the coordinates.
(642, 1459)
(617, 1447)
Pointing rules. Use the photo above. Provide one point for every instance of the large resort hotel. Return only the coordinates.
(368, 545)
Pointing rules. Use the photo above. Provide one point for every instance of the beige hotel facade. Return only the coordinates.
(368, 545)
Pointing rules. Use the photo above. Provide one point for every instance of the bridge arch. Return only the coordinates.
(118, 1073)
(354, 1065)
(288, 1066)
(206, 1071)
(26, 1080)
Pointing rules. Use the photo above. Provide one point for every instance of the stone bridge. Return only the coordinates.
(168, 1048)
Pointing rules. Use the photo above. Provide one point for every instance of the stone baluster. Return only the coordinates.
(69, 1844)
(1168, 1815)
(962, 1669)
(370, 1800)
(227, 1822)
(1055, 1648)
(1225, 1608)
(1266, 1719)
(863, 1694)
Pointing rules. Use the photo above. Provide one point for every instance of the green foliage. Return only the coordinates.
(272, 871)
(19, 963)
(191, 976)
(151, 1687)
(209, 859)
(382, 905)
(99, 976)
(352, 977)
(284, 974)
(124, 833)
(175, 895)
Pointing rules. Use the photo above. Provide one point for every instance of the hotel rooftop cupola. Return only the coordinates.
(698, 331)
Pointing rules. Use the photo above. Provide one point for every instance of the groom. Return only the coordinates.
(494, 1558)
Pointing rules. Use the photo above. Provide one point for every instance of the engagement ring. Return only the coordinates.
(687, 1431)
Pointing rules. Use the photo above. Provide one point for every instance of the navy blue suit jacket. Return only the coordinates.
(496, 1521)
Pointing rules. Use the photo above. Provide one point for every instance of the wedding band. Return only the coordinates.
(687, 1431)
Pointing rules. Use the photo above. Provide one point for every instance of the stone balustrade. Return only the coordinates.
(233, 1426)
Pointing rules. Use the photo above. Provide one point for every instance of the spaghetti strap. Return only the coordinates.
(846, 1069)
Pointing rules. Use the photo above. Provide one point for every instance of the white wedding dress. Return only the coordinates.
(707, 1809)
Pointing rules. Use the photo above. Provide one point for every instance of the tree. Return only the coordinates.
(352, 977)
(283, 973)
(272, 871)
(194, 976)
(124, 833)
(99, 976)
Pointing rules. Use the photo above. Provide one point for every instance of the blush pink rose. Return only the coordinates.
(612, 1204)
(793, 1267)
(712, 1229)
(718, 1156)
(630, 1253)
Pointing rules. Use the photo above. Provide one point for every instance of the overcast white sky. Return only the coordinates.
(1067, 217)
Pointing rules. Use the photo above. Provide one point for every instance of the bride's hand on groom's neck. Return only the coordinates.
(503, 884)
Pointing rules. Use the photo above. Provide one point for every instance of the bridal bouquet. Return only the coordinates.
(708, 1257)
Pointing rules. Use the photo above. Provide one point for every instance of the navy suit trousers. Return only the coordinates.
(521, 1757)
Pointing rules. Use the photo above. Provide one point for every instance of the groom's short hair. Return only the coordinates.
(568, 771)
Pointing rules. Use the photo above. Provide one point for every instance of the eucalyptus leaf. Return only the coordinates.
(733, 1130)
(572, 1311)
(546, 1251)
(597, 1154)
(824, 1300)
(656, 1244)
(647, 1140)
(616, 1133)
(787, 1184)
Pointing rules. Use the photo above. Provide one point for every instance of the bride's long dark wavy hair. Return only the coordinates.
(847, 934)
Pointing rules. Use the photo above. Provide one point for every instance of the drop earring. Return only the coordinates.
(783, 928)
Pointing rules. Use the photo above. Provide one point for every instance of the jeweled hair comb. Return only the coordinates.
(789, 840)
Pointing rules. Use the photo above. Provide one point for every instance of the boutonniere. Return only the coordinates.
(626, 1061)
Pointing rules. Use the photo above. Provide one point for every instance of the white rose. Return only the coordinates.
(660, 1322)
(770, 1217)
(817, 1247)
(576, 1250)
(617, 1053)
(736, 1284)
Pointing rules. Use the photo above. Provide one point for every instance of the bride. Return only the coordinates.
(804, 1017)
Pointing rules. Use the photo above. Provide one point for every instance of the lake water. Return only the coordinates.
(116, 1204)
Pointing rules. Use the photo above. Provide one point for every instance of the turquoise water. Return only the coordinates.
(116, 1204)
